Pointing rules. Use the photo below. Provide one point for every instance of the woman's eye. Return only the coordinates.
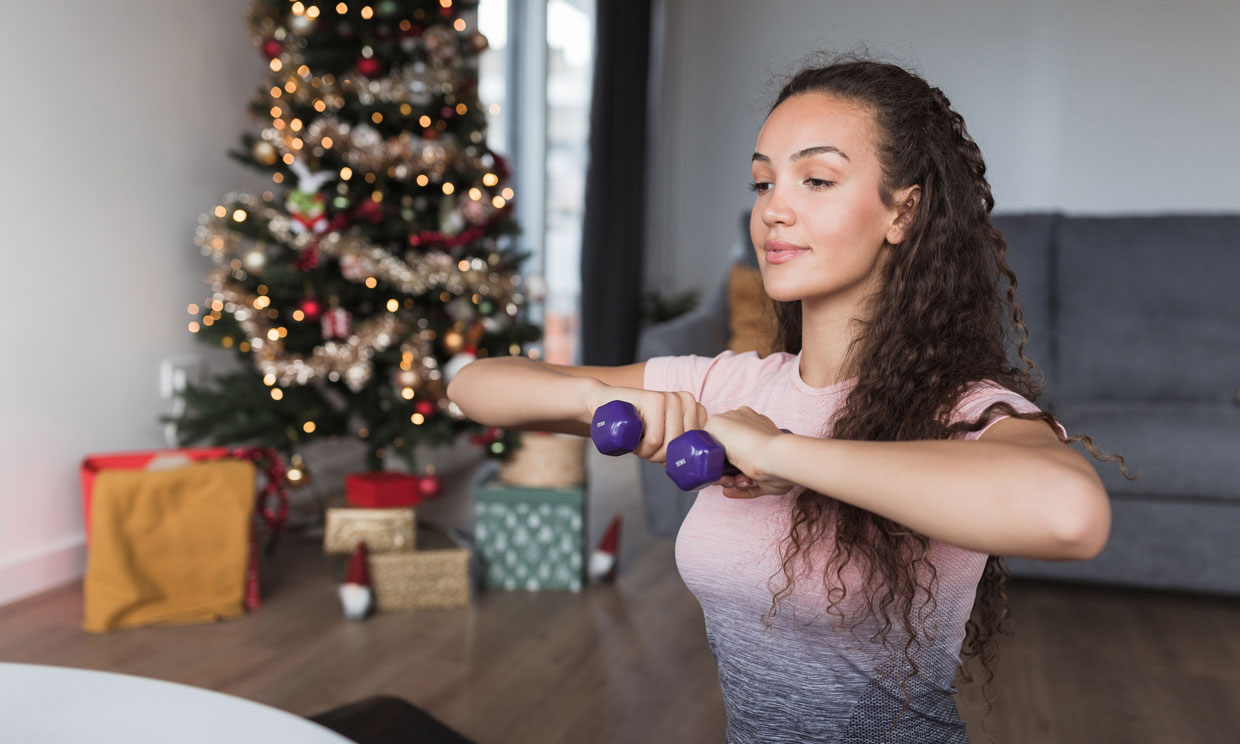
(818, 183)
(758, 186)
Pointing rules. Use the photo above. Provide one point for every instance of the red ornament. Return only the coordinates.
(486, 437)
(308, 258)
(371, 210)
(424, 407)
(311, 308)
(430, 485)
(369, 66)
(272, 48)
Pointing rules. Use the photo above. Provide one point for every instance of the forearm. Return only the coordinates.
(518, 393)
(992, 497)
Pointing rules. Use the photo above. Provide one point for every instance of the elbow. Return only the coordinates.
(1087, 526)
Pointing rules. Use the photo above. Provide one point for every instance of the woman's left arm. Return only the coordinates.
(1016, 491)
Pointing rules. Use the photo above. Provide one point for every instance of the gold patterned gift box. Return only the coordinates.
(440, 574)
(389, 530)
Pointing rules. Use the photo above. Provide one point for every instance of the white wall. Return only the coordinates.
(1084, 106)
(115, 121)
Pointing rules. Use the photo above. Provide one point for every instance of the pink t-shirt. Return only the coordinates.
(804, 679)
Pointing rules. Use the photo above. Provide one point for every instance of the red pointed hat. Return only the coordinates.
(359, 570)
(611, 540)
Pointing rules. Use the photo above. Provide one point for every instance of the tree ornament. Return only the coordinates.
(297, 474)
(430, 485)
(308, 212)
(311, 310)
(486, 437)
(272, 48)
(370, 67)
(264, 153)
(424, 407)
(337, 323)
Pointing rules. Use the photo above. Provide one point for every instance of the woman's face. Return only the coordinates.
(818, 224)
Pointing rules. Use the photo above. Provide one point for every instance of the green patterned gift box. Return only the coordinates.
(530, 538)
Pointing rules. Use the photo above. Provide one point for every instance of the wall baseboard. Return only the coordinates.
(33, 571)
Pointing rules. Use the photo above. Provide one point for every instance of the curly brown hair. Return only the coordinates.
(938, 325)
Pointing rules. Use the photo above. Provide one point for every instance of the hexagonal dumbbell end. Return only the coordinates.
(695, 459)
(617, 428)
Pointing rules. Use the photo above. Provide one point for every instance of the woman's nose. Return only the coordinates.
(777, 210)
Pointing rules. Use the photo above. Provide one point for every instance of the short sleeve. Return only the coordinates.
(671, 374)
(985, 394)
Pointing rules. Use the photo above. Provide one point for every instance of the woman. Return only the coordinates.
(917, 457)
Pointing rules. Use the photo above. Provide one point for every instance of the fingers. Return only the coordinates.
(668, 416)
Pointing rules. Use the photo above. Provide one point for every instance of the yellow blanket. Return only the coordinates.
(168, 546)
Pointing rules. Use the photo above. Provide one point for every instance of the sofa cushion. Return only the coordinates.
(1149, 308)
(1180, 451)
(1030, 239)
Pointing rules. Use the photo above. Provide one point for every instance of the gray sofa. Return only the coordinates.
(1135, 323)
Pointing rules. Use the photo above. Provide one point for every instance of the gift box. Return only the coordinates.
(171, 538)
(383, 530)
(438, 575)
(530, 538)
(382, 489)
(546, 460)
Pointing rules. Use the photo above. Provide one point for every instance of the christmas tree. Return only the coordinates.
(379, 268)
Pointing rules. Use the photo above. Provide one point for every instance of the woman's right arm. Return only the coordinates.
(514, 392)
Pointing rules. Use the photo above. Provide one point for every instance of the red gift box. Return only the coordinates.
(381, 489)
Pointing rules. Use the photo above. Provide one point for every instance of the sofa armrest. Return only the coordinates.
(702, 331)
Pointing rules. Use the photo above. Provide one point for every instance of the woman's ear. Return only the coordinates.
(907, 198)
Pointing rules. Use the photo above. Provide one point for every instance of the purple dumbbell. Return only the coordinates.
(617, 428)
(695, 459)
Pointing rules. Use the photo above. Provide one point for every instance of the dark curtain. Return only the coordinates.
(611, 236)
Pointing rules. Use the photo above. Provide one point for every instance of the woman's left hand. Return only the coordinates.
(745, 435)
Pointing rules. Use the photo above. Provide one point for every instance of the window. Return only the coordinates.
(535, 80)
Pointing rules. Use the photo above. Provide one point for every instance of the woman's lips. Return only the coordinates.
(779, 252)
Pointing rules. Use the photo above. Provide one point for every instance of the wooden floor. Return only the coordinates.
(629, 662)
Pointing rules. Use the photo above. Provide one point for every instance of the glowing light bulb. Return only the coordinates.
(277, 393)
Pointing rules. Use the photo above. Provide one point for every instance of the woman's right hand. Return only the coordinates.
(665, 416)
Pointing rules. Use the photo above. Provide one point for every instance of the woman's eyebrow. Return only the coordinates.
(816, 150)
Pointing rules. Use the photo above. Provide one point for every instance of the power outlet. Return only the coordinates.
(178, 372)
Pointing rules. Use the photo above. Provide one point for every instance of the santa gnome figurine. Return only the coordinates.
(605, 558)
(355, 592)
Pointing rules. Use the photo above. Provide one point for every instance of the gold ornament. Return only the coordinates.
(297, 474)
(264, 152)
